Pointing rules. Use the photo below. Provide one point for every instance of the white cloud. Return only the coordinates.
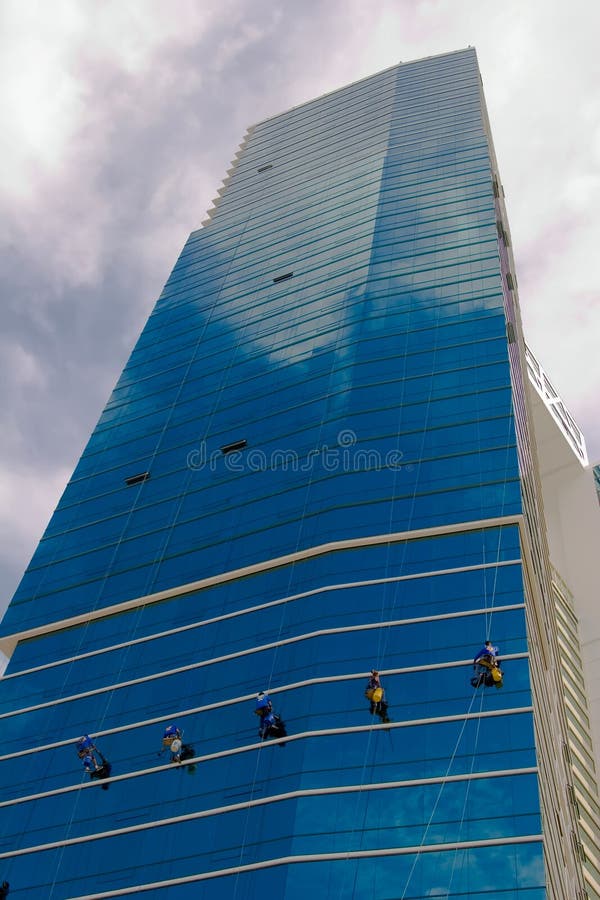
(41, 100)
(57, 133)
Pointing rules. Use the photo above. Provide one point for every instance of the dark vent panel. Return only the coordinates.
(231, 448)
(137, 479)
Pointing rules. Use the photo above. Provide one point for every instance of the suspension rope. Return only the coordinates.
(167, 532)
(467, 791)
(151, 577)
(154, 571)
(439, 795)
(488, 629)
(381, 650)
(292, 568)
(500, 532)
(384, 633)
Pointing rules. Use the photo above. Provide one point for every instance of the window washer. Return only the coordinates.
(487, 667)
(376, 696)
(88, 753)
(173, 739)
(271, 725)
(85, 751)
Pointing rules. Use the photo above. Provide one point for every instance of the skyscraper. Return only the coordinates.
(317, 462)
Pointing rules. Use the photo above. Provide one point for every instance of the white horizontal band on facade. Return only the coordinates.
(282, 689)
(315, 857)
(259, 648)
(9, 642)
(264, 801)
(261, 606)
(265, 745)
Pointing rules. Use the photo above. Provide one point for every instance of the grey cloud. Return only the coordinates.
(87, 250)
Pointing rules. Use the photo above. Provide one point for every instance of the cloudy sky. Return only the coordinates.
(119, 119)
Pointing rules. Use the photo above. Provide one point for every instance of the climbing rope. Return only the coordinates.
(467, 791)
(438, 798)
(383, 633)
(152, 574)
(307, 487)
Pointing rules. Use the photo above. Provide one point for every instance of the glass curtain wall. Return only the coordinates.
(307, 470)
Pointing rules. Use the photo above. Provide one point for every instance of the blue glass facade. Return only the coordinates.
(341, 320)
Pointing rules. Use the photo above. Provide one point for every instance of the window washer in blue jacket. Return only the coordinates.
(487, 667)
(271, 725)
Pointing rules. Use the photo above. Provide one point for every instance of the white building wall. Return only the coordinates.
(572, 514)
